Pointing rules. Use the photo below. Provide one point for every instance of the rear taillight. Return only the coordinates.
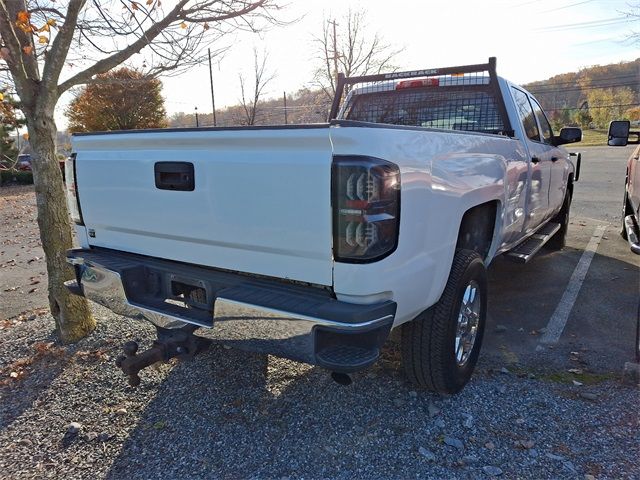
(366, 208)
(73, 202)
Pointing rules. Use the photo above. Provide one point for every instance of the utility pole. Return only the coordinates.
(284, 96)
(213, 100)
(335, 52)
(197, 122)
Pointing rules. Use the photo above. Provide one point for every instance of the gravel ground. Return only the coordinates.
(23, 274)
(230, 414)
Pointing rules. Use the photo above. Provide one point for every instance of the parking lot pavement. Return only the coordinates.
(601, 314)
(600, 319)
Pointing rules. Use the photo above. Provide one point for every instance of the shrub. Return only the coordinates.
(15, 177)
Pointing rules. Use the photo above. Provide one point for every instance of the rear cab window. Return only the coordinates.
(458, 106)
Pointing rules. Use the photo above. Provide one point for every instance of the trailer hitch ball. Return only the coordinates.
(131, 363)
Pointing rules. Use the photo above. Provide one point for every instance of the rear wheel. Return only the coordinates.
(440, 347)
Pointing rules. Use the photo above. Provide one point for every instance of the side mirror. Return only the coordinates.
(568, 135)
(619, 133)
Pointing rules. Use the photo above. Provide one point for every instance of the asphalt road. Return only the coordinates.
(600, 327)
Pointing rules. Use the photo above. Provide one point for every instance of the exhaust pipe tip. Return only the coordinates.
(341, 378)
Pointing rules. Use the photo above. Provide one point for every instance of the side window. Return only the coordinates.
(525, 112)
(545, 126)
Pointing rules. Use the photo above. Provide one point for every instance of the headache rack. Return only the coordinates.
(466, 98)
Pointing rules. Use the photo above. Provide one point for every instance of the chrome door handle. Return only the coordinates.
(535, 159)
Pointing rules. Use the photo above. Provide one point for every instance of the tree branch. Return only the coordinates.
(60, 46)
(24, 70)
(117, 58)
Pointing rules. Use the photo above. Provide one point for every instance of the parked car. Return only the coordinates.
(620, 135)
(23, 163)
(312, 242)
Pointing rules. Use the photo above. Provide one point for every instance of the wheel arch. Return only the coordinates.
(478, 228)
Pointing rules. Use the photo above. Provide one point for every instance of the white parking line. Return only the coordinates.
(561, 315)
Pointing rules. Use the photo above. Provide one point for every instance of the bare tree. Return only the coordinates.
(348, 46)
(49, 46)
(261, 78)
(633, 14)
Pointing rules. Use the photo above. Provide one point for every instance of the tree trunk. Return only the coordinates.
(71, 313)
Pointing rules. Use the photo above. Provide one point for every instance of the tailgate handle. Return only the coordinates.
(174, 176)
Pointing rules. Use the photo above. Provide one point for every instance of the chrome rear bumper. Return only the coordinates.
(251, 314)
(632, 237)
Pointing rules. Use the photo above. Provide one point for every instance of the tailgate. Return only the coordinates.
(261, 201)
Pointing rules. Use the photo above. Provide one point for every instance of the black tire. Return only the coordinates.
(559, 240)
(428, 341)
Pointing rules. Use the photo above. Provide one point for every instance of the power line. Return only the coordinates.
(567, 6)
(580, 89)
(545, 83)
(591, 24)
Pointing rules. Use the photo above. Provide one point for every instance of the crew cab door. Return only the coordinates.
(537, 205)
(558, 157)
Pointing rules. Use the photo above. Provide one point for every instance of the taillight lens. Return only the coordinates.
(73, 203)
(366, 208)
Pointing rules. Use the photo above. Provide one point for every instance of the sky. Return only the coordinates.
(532, 40)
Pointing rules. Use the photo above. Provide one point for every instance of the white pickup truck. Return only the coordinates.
(312, 242)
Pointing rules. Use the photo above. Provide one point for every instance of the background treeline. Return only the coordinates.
(591, 97)
(304, 106)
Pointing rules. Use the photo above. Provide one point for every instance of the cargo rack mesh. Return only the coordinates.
(464, 98)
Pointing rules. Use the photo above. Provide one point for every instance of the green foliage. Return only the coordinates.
(633, 114)
(562, 118)
(582, 118)
(8, 123)
(15, 177)
(609, 104)
(122, 99)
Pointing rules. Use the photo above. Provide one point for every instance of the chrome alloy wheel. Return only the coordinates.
(468, 321)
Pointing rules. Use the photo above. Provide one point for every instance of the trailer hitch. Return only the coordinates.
(171, 343)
